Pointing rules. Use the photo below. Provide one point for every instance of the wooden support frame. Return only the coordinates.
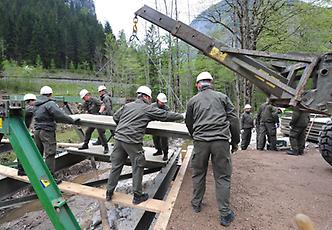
(163, 208)
(152, 205)
(165, 215)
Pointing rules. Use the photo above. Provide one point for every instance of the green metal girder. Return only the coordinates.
(38, 173)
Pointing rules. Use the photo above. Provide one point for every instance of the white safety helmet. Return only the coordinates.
(204, 76)
(145, 90)
(162, 97)
(101, 87)
(83, 92)
(29, 96)
(46, 90)
(247, 106)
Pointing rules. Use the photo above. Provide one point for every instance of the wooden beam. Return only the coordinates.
(63, 145)
(152, 205)
(165, 215)
(67, 145)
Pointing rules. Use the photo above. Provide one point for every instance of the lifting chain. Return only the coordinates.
(134, 34)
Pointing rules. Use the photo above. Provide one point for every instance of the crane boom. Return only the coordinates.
(285, 86)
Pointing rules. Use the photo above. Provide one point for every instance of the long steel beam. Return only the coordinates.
(169, 129)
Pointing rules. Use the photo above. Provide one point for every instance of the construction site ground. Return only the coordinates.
(268, 190)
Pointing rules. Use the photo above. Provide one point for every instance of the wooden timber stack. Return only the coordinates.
(317, 124)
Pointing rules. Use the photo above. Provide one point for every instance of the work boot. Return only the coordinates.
(140, 198)
(109, 195)
(84, 146)
(56, 179)
(106, 150)
(157, 153)
(97, 142)
(196, 209)
(227, 220)
(301, 151)
(165, 158)
(293, 152)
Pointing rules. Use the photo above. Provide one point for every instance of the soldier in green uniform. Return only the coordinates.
(105, 108)
(161, 143)
(247, 123)
(298, 125)
(132, 120)
(92, 106)
(268, 119)
(46, 114)
(211, 121)
(30, 100)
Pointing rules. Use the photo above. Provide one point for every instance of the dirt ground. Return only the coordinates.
(268, 190)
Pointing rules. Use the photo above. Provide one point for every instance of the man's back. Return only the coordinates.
(133, 118)
(209, 114)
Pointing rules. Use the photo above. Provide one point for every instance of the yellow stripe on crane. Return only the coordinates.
(268, 83)
(217, 54)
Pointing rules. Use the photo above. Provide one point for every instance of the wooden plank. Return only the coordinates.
(165, 215)
(63, 145)
(169, 129)
(67, 145)
(152, 205)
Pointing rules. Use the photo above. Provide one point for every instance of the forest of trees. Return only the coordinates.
(60, 34)
(54, 33)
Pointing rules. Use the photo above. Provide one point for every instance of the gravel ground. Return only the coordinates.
(268, 190)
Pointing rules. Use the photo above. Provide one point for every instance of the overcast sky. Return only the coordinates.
(120, 13)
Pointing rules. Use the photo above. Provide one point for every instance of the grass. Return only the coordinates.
(30, 85)
(7, 158)
(147, 138)
(69, 135)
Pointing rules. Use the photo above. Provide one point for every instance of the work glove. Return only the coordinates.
(234, 148)
(179, 117)
(242, 131)
(77, 121)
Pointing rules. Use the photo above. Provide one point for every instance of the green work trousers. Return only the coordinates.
(245, 138)
(219, 151)
(46, 144)
(161, 144)
(101, 133)
(121, 151)
(297, 138)
(269, 130)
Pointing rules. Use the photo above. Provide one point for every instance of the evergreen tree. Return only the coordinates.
(53, 29)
